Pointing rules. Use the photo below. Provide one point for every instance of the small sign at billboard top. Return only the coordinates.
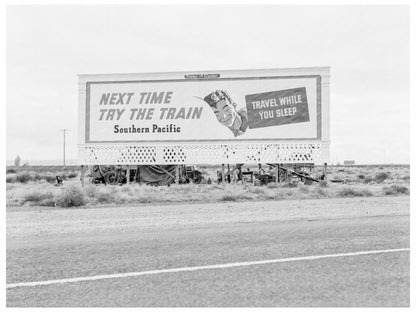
(195, 109)
(202, 76)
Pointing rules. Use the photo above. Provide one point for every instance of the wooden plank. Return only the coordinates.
(82, 175)
(276, 174)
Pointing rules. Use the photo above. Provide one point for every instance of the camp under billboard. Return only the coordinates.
(198, 109)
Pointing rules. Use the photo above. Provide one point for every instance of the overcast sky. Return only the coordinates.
(367, 48)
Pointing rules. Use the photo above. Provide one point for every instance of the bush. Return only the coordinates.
(72, 175)
(36, 196)
(10, 178)
(351, 192)
(47, 202)
(257, 189)
(105, 197)
(381, 176)
(72, 196)
(10, 171)
(24, 177)
(361, 176)
(395, 190)
(323, 183)
(47, 177)
(272, 185)
(290, 185)
(321, 192)
(368, 180)
(228, 198)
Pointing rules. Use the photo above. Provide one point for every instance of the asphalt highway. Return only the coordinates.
(380, 279)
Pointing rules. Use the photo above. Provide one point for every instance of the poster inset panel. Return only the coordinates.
(194, 110)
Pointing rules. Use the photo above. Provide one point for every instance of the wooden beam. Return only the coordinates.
(177, 174)
(82, 175)
(276, 173)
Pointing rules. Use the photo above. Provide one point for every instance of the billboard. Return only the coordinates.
(210, 107)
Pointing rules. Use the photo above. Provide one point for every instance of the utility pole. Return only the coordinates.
(64, 131)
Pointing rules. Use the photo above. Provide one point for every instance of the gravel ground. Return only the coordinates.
(42, 223)
(55, 244)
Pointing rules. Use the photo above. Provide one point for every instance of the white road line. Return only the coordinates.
(196, 268)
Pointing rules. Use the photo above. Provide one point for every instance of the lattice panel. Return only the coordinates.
(247, 153)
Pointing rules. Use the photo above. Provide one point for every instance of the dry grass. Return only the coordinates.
(33, 176)
(358, 182)
(396, 190)
(44, 194)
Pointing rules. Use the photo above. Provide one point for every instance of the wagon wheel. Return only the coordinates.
(112, 178)
(199, 180)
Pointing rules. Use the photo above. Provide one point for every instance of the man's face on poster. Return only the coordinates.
(225, 111)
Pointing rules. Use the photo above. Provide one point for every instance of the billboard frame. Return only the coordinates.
(91, 152)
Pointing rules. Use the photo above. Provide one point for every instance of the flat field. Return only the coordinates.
(33, 187)
(340, 244)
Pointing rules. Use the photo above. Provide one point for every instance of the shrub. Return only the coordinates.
(228, 198)
(10, 171)
(323, 183)
(290, 185)
(395, 190)
(321, 192)
(72, 196)
(72, 175)
(272, 185)
(24, 177)
(36, 196)
(257, 189)
(105, 197)
(47, 202)
(10, 178)
(351, 192)
(361, 176)
(90, 190)
(381, 176)
(47, 177)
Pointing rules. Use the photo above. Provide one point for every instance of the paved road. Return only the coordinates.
(362, 280)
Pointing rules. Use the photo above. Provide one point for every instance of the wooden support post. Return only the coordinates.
(136, 174)
(222, 174)
(177, 174)
(276, 173)
(82, 175)
(325, 172)
(128, 174)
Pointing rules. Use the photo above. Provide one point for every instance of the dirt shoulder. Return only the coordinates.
(49, 223)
